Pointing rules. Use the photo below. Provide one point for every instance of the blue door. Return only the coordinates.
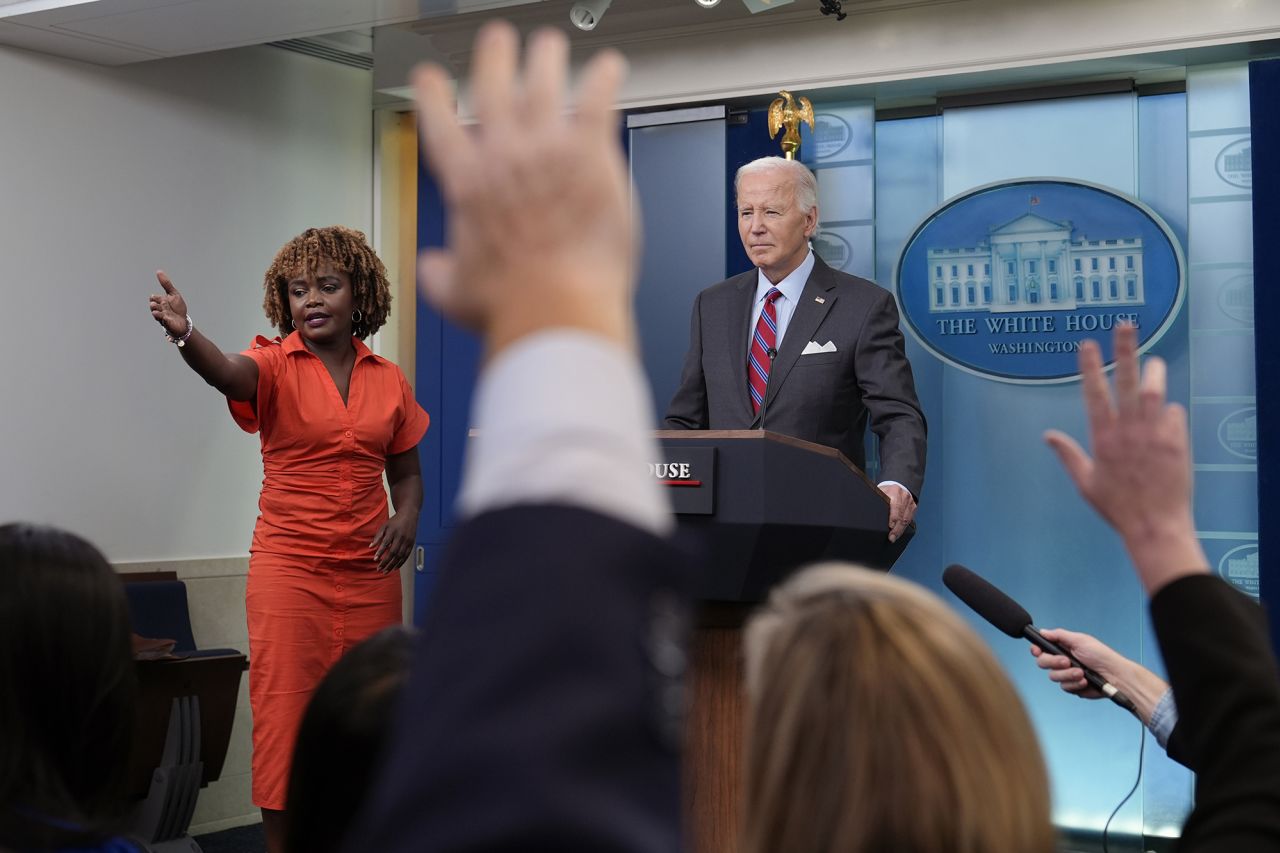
(447, 358)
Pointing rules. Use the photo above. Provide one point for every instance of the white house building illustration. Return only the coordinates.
(1243, 568)
(1245, 430)
(1033, 264)
(1238, 161)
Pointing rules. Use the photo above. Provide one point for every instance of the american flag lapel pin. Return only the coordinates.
(819, 300)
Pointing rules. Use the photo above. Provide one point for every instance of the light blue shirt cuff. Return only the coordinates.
(1163, 719)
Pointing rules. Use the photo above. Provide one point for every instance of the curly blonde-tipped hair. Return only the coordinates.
(347, 249)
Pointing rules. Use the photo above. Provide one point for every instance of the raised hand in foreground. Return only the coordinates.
(1139, 477)
(540, 229)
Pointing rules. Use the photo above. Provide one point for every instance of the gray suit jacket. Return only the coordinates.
(827, 398)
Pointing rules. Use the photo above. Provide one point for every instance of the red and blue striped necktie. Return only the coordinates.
(763, 341)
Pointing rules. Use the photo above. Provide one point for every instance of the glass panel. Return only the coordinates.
(908, 186)
(1086, 138)
(840, 156)
(1221, 297)
(846, 193)
(849, 248)
(678, 171)
(1223, 417)
(1162, 158)
(844, 131)
(1218, 97)
(1221, 232)
(1222, 365)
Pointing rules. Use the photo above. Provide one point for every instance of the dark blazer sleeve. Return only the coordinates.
(1225, 678)
(1176, 748)
(688, 408)
(537, 714)
(889, 394)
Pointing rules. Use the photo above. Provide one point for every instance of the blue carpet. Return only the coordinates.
(242, 839)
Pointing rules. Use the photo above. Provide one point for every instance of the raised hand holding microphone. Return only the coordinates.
(1013, 619)
(1082, 650)
(1140, 684)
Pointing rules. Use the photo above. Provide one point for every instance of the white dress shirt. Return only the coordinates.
(784, 305)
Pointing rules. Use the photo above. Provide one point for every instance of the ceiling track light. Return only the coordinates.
(833, 7)
(585, 14)
(707, 4)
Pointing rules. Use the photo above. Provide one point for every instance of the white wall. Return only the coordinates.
(202, 166)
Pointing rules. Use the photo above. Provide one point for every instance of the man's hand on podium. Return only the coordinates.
(902, 508)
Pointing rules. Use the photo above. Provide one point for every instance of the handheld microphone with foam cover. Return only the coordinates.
(1011, 618)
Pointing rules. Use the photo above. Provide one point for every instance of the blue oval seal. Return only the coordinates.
(1240, 567)
(831, 135)
(1234, 163)
(1235, 298)
(1005, 281)
(834, 250)
(1238, 433)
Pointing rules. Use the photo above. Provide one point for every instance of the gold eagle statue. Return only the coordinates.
(783, 113)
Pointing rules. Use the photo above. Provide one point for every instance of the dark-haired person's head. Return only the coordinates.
(66, 705)
(340, 740)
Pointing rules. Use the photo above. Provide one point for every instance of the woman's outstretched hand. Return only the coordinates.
(169, 308)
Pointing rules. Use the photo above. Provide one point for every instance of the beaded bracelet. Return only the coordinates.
(182, 341)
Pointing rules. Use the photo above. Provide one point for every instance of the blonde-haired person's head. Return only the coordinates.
(880, 722)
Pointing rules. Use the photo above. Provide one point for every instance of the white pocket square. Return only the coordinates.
(814, 347)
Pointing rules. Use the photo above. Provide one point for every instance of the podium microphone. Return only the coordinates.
(764, 401)
(1011, 618)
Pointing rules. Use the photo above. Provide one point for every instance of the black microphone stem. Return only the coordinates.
(764, 401)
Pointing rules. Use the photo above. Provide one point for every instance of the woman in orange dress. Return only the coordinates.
(333, 417)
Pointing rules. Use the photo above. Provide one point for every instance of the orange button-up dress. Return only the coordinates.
(314, 590)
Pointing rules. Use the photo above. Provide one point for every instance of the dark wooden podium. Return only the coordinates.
(763, 504)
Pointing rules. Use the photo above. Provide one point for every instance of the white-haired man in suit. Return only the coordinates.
(799, 348)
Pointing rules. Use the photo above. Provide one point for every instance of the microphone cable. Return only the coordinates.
(1142, 746)
(1012, 619)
